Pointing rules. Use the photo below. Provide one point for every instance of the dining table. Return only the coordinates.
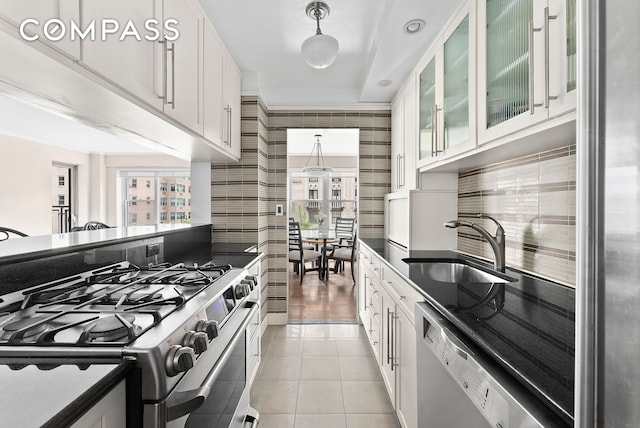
(320, 239)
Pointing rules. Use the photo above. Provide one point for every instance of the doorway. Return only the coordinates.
(62, 197)
(318, 201)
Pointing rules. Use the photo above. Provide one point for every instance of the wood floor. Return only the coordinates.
(317, 301)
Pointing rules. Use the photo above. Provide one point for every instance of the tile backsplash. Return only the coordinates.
(534, 198)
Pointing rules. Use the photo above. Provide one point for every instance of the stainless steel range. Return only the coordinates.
(187, 328)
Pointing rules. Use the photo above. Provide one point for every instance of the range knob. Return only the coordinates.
(248, 283)
(196, 340)
(242, 290)
(210, 327)
(180, 359)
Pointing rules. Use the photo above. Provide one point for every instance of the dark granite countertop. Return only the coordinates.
(33, 247)
(56, 397)
(528, 326)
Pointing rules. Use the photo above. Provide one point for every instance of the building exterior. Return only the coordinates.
(158, 200)
(332, 196)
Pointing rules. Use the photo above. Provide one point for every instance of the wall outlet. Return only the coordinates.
(153, 250)
(279, 210)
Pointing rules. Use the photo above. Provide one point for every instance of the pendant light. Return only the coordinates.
(319, 50)
(317, 170)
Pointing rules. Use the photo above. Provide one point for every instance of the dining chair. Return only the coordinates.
(344, 230)
(5, 233)
(298, 255)
(306, 245)
(342, 253)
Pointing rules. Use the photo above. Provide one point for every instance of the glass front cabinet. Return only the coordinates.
(447, 90)
(526, 64)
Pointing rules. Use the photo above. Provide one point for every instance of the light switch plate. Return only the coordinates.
(279, 210)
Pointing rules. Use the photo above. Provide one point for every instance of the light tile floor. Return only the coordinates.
(318, 376)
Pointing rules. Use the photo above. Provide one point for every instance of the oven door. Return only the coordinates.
(218, 398)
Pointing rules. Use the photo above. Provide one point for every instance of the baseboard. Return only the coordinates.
(277, 319)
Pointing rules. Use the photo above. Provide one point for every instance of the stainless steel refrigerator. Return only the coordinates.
(608, 215)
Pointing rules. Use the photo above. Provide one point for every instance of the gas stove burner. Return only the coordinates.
(137, 295)
(111, 328)
(33, 325)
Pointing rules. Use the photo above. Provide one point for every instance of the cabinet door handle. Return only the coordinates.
(227, 141)
(173, 75)
(433, 139)
(393, 341)
(547, 18)
(163, 97)
(388, 334)
(532, 104)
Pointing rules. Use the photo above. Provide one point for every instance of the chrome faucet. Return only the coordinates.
(497, 242)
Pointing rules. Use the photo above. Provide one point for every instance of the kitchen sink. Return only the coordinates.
(457, 272)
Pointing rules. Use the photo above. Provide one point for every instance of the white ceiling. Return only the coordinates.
(264, 37)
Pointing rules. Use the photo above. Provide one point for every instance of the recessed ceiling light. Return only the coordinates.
(414, 26)
(385, 82)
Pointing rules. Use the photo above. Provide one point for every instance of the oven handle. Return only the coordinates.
(181, 403)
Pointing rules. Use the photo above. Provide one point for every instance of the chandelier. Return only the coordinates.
(317, 170)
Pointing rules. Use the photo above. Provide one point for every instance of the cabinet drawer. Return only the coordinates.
(370, 261)
(404, 295)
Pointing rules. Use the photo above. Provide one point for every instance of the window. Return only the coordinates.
(313, 193)
(163, 187)
(336, 194)
(148, 216)
(177, 202)
(313, 179)
(336, 180)
(163, 217)
(60, 199)
(173, 216)
(177, 187)
(61, 180)
(134, 201)
(134, 183)
(163, 202)
(148, 184)
(134, 218)
(148, 200)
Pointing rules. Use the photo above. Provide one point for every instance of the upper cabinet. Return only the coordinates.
(17, 11)
(526, 64)
(232, 85)
(447, 91)
(181, 65)
(404, 138)
(144, 80)
(222, 86)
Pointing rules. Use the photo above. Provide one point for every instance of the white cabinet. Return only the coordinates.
(404, 131)
(386, 304)
(447, 90)
(213, 86)
(232, 106)
(134, 65)
(414, 219)
(181, 65)
(526, 64)
(222, 86)
(16, 11)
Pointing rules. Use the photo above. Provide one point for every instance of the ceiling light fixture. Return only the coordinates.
(385, 82)
(319, 50)
(414, 26)
(317, 170)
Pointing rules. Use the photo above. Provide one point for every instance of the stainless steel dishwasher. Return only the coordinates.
(460, 387)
